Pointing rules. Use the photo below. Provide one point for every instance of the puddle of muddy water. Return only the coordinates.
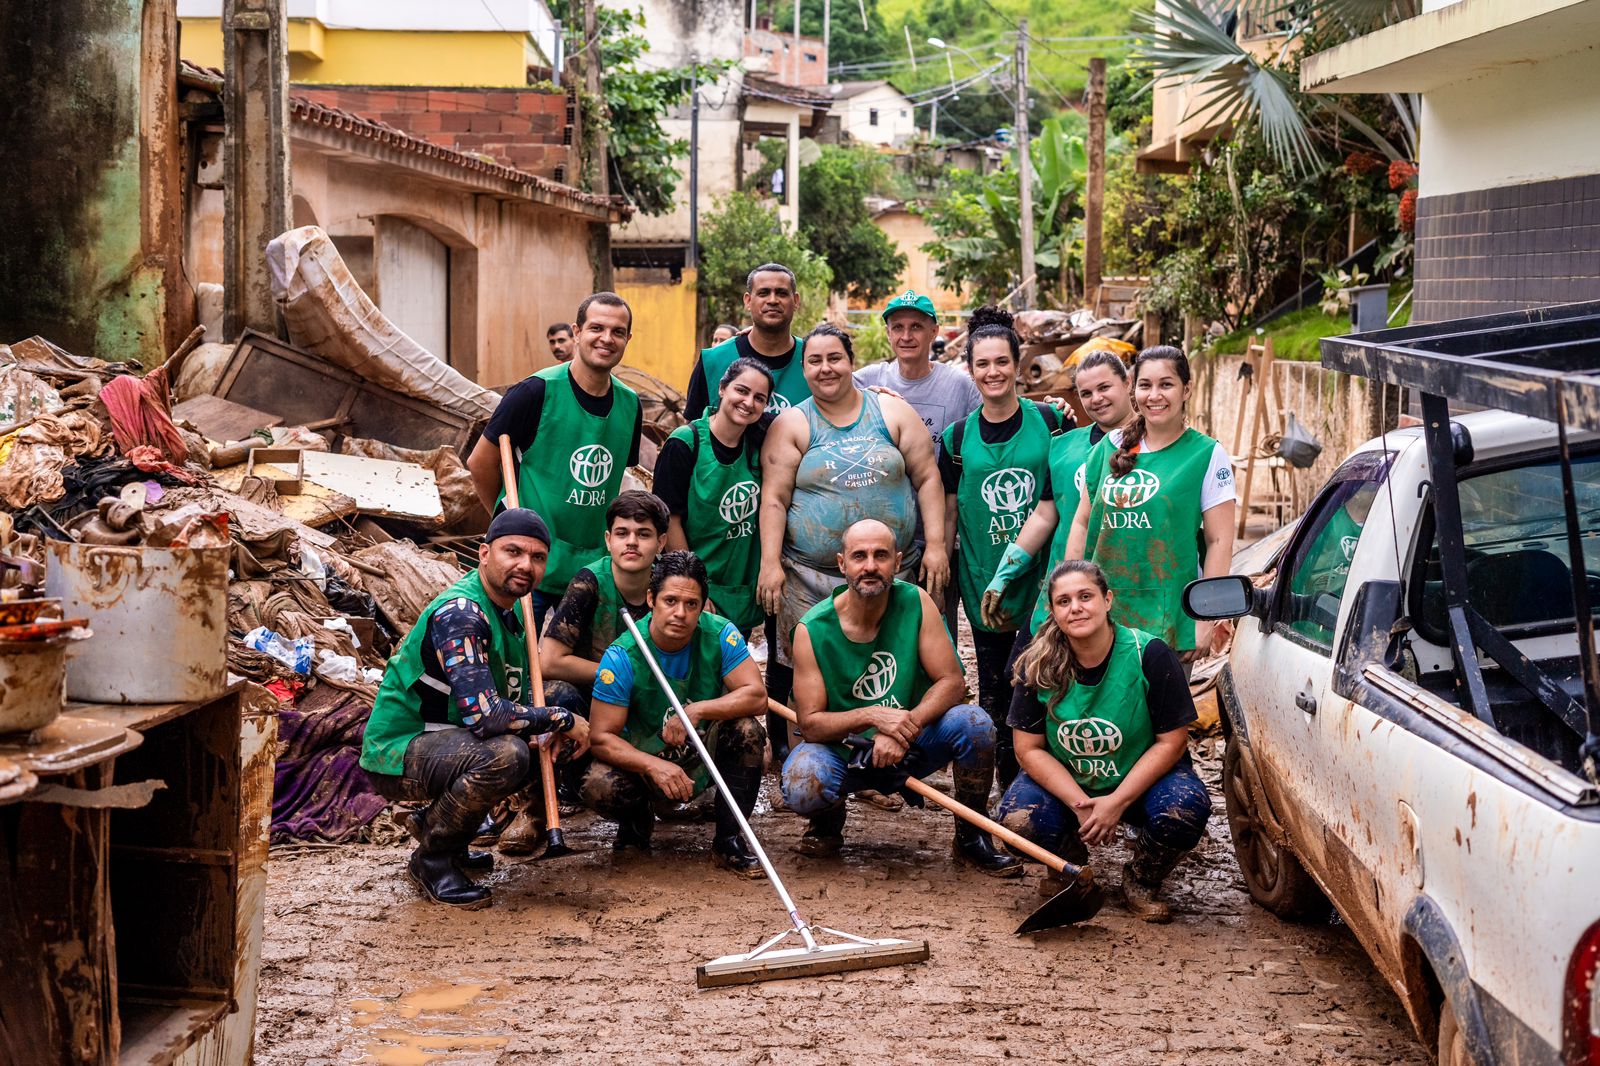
(445, 1006)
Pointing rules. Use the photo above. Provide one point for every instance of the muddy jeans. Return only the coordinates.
(993, 652)
(816, 778)
(463, 776)
(804, 587)
(1170, 816)
(738, 748)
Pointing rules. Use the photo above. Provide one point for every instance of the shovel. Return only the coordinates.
(555, 842)
(1078, 902)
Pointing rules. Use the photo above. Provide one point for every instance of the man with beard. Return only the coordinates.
(585, 426)
(874, 660)
(771, 299)
(451, 725)
(642, 753)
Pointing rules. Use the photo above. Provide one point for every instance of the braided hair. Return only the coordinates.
(1122, 459)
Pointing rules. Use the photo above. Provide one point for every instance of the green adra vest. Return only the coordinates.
(1000, 486)
(885, 673)
(397, 712)
(649, 708)
(721, 524)
(607, 620)
(1067, 453)
(789, 389)
(1099, 731)
(577, 461)
(1144, 531)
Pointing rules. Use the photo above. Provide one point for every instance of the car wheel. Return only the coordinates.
(1273, 874)
(1452, 1044)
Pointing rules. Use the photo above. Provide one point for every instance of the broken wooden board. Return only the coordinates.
(379, 486)
(314, 505)
(223, 420)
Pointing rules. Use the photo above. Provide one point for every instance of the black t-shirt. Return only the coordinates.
(1095, 433)
(1168, 700)
(698, 398)
(675, 463)
(518, 413)
(571, 622)
(992, 433)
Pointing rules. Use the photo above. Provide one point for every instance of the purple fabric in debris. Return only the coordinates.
(319, 792)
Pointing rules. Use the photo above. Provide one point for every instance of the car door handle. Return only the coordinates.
(1305, 701)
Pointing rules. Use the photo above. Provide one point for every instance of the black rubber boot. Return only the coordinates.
(634, 829)
(825, 836)
(732, 854)
(436, 875)
(972, 845)
(469, 860)
(1142, 877)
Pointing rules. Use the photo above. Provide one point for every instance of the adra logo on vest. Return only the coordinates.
(1121, 494)
(877, 679)
(1089, 738)
(738, 506)
(778, 404)
(1010, 489)
(591, 467)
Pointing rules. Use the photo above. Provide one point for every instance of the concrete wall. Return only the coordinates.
(664, 341)
(897, 119)
(910, 232)
(91, 208)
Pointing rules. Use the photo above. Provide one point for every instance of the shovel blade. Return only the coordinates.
(555, 846)
(1078, 902)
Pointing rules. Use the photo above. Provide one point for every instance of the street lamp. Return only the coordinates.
(933, 125)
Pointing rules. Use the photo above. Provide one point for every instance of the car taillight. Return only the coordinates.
(1582, 1014)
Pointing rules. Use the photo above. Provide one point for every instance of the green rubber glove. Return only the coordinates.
(1012, 563)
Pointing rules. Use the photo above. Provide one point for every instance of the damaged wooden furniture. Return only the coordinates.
(132, 924)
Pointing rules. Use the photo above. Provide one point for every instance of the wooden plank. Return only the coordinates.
(314, 505)
(379, 486)
(223, 420)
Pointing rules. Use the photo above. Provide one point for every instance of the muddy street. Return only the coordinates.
(588, 960)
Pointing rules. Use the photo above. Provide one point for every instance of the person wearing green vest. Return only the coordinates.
(451, 724)
(642, 754)
(994, 465)
(709, 476)
(1103, 739)
(874, 660)
(771, 298)
(1152, 490)
(574, 430)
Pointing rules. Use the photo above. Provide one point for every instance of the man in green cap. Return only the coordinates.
(940, 393)
(771, 299)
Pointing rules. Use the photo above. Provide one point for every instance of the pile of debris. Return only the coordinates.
(332, 469)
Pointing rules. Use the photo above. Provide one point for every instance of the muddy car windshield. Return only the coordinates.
(1519, 573)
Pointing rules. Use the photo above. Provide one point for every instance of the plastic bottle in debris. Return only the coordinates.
(296, 655)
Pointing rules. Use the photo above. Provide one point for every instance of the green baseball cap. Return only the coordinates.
(910, 300)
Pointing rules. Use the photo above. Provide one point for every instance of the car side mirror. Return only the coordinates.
(1210, 599)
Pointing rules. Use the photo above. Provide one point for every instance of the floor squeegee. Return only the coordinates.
(770, 961)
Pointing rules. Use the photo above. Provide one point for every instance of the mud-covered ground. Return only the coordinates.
(585, 960)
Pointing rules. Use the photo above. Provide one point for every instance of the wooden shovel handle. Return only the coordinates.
(960, 810)
(547, 762)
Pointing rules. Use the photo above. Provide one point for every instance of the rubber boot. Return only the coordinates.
(728, 850)
(824, 837)
(634, 829)
(733, 855)
(1142, 877)
(470, 860)
(436, 875)
(972, 845)
(525, 834)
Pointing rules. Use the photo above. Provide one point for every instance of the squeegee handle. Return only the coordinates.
(547, 762)
(960, 810)
(722, 786)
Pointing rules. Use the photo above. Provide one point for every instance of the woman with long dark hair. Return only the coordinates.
(1152, 491)
(709, 476)
(1102, 739)
(995, 468)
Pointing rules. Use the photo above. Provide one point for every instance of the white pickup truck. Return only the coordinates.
(1462, 849)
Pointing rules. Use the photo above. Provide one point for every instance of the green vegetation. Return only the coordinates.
(837, 226)
(1295, 335)
(743, 229)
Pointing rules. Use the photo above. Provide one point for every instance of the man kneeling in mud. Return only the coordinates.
(875, 660)
(641, 749)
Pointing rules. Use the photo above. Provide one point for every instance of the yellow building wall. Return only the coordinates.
(909, 232)
(664, 320)
(382, 57)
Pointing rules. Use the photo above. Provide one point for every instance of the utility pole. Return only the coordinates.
(794, 52)
(694, 161)
(255, 157)
(933, 124)
(1094, 203)
(827, 36)
(1024, 165)
(591, 82)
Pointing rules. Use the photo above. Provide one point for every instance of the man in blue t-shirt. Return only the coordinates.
(642, 752)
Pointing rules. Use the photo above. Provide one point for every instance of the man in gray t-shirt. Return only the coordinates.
(939, 392)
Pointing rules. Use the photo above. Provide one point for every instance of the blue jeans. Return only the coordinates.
(1170, 816)
(816, 778)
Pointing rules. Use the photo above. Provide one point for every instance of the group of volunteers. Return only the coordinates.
(844, 512)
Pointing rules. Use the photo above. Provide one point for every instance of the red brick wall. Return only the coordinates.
(522, 128)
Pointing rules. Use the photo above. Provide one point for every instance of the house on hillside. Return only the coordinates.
(772, 53)
(1508, 215)
(872, 112)
(417, 142)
